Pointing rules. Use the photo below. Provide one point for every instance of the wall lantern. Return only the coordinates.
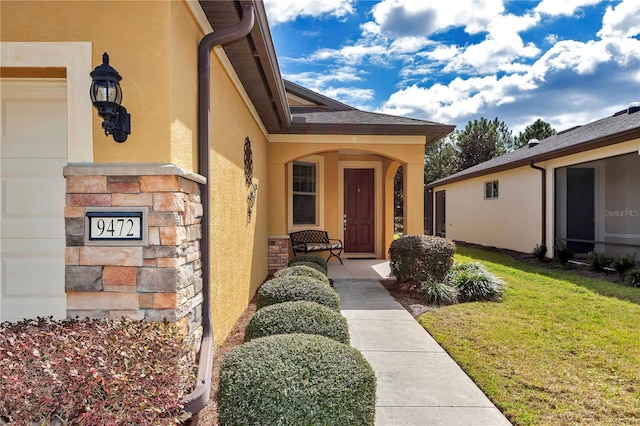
(106, 96)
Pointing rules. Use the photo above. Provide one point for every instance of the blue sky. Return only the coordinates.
(567, 62)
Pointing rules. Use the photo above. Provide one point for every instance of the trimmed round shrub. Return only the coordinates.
(313, 258)
(289, 289)
(296, 379)
(298, 317)
(436, 292)
(474, 283)
(303, 270)
(421, 257)
(311, 265)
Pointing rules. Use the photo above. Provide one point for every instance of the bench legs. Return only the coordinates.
(336, 255)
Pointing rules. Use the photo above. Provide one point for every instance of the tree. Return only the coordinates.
(439, 160)
(538, 130)
(482, 140)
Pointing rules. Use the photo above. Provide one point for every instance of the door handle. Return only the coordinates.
(344, 222)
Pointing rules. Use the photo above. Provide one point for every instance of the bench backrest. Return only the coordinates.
(309, 236)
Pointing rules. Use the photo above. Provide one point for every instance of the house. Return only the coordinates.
(183, 217)
(579, 187)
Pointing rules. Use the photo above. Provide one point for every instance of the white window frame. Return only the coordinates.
(318, 160)
(495, 190)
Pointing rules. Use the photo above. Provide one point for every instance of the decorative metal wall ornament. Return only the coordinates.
(248, 161)
(251, 200)
(248, 176)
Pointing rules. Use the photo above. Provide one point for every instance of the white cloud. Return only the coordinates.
(353, 96)
(353, 54)
(318, 81)
(584, 58)
(501, 47)
(423, 18)
(562, 7)
(559, 84)
(381, 44)
(622, 20)
(280, 11)
(492, 55)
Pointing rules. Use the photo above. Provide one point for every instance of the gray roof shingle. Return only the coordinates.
(328, 116)
(621, 127)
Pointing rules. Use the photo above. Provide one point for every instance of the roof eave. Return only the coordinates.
(315, 97)
(254, 60)
(269, 60)
(550, 155)
(432, 133)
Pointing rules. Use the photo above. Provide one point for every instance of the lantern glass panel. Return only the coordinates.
(106, 91)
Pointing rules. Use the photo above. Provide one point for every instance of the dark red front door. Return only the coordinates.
(359, 209)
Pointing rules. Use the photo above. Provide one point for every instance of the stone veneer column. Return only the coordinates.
(157, 281)
(278, 252)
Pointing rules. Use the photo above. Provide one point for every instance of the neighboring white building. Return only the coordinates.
(581, 186)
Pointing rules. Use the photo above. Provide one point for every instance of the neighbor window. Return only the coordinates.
(304, 193)
(491, 190)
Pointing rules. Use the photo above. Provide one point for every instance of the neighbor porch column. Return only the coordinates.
(414, 199)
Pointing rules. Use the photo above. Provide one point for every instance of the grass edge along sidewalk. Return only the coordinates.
(559, 349)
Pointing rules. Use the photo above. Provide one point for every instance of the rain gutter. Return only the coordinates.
(197, 399)
(544, 201)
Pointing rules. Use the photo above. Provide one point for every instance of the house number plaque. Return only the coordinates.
(115, 226)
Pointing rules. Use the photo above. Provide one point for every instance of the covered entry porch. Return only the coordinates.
(345, 186)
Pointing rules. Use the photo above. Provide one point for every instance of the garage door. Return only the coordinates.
(33, 153)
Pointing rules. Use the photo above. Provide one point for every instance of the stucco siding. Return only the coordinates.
(185, 36)
(512, 221)
(239, 249)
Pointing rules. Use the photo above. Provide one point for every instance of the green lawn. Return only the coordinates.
(559, 348)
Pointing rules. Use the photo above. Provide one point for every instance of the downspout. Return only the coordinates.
(544, 201)
(197, 399)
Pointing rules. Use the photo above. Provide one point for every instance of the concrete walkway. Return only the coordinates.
(418, 382)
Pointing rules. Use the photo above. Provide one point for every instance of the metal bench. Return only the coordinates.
(312, 240)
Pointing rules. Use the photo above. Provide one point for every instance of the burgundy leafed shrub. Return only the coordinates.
(93, 372)
(421, 257)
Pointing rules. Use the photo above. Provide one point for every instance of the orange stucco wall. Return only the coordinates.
(239, 250)
(153, 45)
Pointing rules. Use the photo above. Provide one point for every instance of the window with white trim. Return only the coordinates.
(491, 190)
(305, 186)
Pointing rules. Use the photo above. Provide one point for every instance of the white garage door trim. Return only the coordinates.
(76, 58)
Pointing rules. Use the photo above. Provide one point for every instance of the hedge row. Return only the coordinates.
(296, 366)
